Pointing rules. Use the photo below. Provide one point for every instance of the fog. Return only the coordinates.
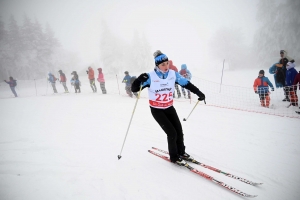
(198, 33)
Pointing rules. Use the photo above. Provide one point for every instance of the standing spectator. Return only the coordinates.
(186, 74)
(171, 66)
(52, 79)
(76, 82)
(261, 87)
(63, 80)
(295, 83)
(12, 84)
(281, 72)
(91, 74)
(289, 80)
(101, 80)
(126, 80)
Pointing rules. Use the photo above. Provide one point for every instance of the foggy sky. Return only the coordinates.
(181, 29)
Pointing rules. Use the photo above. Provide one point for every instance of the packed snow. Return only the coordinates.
(65, 146)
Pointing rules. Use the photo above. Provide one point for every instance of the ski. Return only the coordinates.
(232, 189)
(214, 169)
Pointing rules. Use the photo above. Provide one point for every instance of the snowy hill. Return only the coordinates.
(65, 146)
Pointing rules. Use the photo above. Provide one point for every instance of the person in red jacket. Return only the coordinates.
(261, 87)
(91, 75)
(171, 66)
(63, 80)
(101, 80)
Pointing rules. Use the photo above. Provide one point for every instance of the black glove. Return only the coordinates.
(87, 71)
(256, 92)
(143, 77)
(272, 89)
(201, 96)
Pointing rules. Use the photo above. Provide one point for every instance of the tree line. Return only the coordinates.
(29, 51)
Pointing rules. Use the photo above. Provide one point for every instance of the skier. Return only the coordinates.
(90, 72)
(161, 83)
(186, 74)
(261, 87)
(52, 79)
(101, 80)
(76, 82)
(291, 73)
(63, 80)
(173, 67)
(126, 80)
(12, 84)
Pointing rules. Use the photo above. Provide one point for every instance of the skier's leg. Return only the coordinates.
(13, 91)
(178, 90)
(174, 119)
(268, 99)
(161, 118)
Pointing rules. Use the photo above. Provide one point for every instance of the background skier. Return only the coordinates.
(91, 76)
(12, 84)
(52, 79)
(101, 80)
(63, 80)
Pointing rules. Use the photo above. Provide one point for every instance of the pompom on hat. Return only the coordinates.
(159, 57)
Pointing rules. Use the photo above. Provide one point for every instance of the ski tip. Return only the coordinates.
(250, 196)
(119, 157)
(255, 184)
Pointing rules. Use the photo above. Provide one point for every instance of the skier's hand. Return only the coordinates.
(87, 71)
(272, 89)
(201, 96)
(143, 77)
(256, 92)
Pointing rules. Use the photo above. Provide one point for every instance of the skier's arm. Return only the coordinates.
(255, 84)
(188, 85)
(135, 87)
(270, 84)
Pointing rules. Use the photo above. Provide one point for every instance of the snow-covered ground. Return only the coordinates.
(65, 146)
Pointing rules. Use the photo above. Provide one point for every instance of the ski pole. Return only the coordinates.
(47, 87)
(118, 83)
(184, 119)
(35, 88)
(119, 156)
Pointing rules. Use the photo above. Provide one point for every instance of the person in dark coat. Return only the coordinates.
(12, 84)
(76, 82)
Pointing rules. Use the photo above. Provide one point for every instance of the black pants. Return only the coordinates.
(170, 123)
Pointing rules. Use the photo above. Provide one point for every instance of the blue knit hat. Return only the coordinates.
(159, 57)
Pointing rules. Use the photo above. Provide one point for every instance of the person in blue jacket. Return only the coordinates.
(127, 82)
(291, 73)
(52, 79)
(161, 86)
(186, 74)
(12, 84)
